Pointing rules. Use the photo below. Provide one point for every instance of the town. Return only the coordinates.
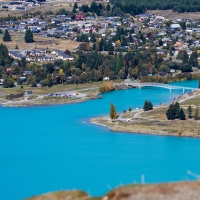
(83, 44)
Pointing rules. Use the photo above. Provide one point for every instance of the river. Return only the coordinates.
(49, 148)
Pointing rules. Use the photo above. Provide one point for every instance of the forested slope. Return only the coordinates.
(136, 6)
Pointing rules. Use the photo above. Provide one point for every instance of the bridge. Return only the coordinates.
(160, 85)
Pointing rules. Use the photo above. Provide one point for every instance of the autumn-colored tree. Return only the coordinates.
(106, 87)
(113, 112)
(117, 43)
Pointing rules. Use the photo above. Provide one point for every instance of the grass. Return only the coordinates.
(78, 195)
(193, 102)
(154, 122)
(128, 115)
(158, 113)
(18, 39)
(47, 90)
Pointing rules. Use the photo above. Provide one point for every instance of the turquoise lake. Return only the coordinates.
(44, 149)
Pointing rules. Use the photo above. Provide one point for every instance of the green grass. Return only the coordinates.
(47, 90)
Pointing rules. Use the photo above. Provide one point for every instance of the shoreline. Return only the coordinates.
(91, 95)
(144, 125)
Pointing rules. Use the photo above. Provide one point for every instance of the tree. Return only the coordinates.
(186, 68)
(76, 5)
(108, 7)
(8, 82)
(185, 57)
(196, 114)
(173, 111)
(199, 84)
(28, 36)
(181, 114)
(93, 38)
(182, 24)
(193, 60)
(147, 106)
(106, 87)
(189, 109)
(6, 37)
(129, 109)
(113, 113)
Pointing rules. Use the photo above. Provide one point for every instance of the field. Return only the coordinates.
(54, 6)
(53, 89)
(169, 14)
(18, 39)
(193, 102)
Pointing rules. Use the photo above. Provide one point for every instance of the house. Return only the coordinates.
(27, 72)
(60, 55)
(29, 93)
(176, 26)
(22, 79)
(106, 78)
(79, 17)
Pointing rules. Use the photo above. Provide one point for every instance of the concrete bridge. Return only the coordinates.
(160, 85)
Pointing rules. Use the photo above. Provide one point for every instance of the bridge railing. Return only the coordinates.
(159, 85)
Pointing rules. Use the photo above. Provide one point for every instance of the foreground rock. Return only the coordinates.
(64, 195)
(165, 191)
(168, 191)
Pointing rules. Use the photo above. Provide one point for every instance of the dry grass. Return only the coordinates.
(18, 39)
(193, 102)
(169, 191)
(69, 195)
(158, 113)
(153, 122)
(169, 14)
(53, 89)
(128, 115)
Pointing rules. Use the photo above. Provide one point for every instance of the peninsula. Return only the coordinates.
(155, 121)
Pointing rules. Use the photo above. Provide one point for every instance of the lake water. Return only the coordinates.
(45, 149)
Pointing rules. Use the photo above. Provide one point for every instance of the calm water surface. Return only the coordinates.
(44, 149)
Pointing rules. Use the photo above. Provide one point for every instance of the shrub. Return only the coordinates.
(106, 87)
(147, 106)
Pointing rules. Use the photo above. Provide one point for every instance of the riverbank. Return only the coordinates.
(73, 96)
(155, 121)
(79, 94)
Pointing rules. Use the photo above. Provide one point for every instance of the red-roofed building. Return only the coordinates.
(79, 17)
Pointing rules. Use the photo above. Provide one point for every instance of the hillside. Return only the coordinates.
(175, 5)
(165, 191)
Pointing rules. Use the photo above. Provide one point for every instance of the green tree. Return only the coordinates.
(28, 36)
(182, 24)
(76, 5)
(108, 7)
(196, 114)
(185, 57)
(113, 113)
(189, 109)
(173, 111)
(193, 60)
(181, 114)
(8, 82)
(93, 38)
(147, 106)
(6, 37)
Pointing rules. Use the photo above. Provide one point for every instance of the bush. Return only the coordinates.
(186, 68)
(106, 87)
(147, 106)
